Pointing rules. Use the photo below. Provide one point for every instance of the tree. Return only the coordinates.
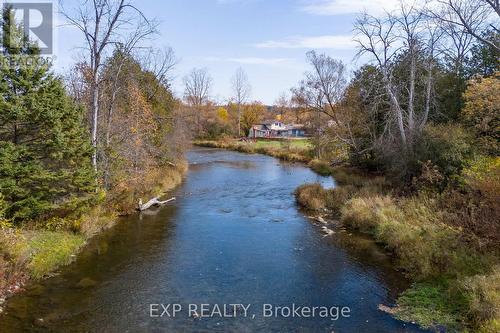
(484, 60)
(402, 37)
(222, 115)
(282, 106)
(320, 93)
(145, 137)
(241, 91)
(474, 16)
(252, 113)
(481, 112)
(197, 85)
(45, 165)
(106, 23)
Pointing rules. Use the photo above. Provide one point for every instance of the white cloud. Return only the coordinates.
(253, 60)
(342, 7)
(340, 42)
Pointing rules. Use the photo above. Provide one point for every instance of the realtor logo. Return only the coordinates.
(36, 20)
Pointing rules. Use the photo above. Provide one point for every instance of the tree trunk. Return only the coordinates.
(411, 97)
(95, 115)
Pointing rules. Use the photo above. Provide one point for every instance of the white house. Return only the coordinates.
(276, 129)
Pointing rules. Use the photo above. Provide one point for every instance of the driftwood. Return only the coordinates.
(153, 202)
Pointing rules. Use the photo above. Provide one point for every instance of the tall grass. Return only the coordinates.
(38, 252)
(456, 274)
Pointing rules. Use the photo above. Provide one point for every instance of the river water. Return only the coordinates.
(234, 236)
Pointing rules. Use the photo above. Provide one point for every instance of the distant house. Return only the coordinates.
(276, 129)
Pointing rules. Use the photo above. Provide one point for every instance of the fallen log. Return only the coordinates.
(153, 202)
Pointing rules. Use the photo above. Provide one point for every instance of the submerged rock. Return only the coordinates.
(86, 283)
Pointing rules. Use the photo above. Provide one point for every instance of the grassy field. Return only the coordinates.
(294, 144)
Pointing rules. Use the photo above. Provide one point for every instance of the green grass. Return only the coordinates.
(40, 251)
(294, 143)
(52, 249)
(431, 304)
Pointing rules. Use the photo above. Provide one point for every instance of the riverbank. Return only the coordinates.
(218, 243)
(453, 263)
(455, 273)
(33, 252)
(286, 150)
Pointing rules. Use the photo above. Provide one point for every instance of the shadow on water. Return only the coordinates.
(234, 235)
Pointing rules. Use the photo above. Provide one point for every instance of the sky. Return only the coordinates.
(267, 38)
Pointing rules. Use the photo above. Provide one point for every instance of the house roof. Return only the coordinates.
(262, 125)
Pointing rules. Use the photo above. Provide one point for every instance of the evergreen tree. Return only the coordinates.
(484, 60)
(45, 153)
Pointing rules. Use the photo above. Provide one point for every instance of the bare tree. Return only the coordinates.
(197, 85)
(106, 23)
(473, 16)
(241, 90)
(321, 92)
(160, 62)
(406, 33)
(282, 105)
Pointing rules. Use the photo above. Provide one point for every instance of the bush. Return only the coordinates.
(447, 146)
(483, 293)
(474, 206)
(481, 112)
(432, 304)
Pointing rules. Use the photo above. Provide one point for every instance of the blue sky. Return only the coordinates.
(267, 38)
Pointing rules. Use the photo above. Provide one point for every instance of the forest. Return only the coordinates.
(79, 150)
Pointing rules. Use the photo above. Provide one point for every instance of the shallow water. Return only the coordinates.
(234, 235)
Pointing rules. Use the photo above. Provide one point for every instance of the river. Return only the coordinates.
(234, 236)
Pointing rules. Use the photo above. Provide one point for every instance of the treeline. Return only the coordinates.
(422, 119)
(208, 118)
(211, 119)
(105, 136)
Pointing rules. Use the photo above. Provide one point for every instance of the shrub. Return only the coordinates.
(448, 147)
(474, 206)
(483, 293)
(481, 112)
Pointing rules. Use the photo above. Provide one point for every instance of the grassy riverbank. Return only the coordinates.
(38, 249)
(287, 150)
(454, 265)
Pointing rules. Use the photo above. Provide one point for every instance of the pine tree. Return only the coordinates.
(45, 152)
